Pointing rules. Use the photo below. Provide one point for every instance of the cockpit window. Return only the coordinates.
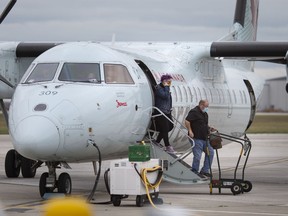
(117, 74)
(42, 72)
(80, 72)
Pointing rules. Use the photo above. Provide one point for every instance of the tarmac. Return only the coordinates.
(266, 170)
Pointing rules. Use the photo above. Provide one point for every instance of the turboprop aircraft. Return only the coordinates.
(77, 93)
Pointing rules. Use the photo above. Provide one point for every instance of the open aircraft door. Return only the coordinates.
(152, 83)
(252, 101)
(149, 76)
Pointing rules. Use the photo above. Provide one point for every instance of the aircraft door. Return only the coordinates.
(149, 75)
(151, 80)
(253, 102)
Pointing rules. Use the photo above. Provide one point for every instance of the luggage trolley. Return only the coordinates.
(236, 185)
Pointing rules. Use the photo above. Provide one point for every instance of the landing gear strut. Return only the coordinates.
(48, 181)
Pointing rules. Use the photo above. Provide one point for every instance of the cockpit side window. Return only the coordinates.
(117, 74)
(42, 72)
(80, 72)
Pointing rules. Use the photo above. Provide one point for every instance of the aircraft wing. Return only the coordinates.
(275, 52)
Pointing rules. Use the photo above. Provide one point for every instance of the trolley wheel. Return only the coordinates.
(236, 188)
(157, 201)
(247, 186)
(116, 200)
(140, 200)
(156, 195)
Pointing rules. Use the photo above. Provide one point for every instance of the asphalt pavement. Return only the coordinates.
(266, 170)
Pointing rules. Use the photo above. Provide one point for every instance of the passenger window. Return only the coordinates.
(190, 94)
(174, 92)
(196, 96)
(211, 95)
(180, 94)
(80, 72)
(117, 74)
(200, 96)
(42, 72)
(241, 96)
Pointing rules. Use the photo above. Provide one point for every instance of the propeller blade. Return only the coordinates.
(7, 10)
(3, 79)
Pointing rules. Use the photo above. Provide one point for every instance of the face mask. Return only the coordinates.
(205, 109)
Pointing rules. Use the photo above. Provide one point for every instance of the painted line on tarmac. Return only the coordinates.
(24, 207)
(281, 160)
(235, 212)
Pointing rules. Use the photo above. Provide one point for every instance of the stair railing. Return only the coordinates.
(176, 124)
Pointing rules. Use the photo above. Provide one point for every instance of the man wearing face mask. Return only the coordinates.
(197, 124)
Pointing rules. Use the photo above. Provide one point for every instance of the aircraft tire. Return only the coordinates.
(42, 184)
(26, 168)
(12, 170)
(64, 183)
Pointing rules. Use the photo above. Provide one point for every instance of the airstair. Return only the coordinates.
(175, 169)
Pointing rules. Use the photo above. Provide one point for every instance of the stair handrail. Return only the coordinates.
(160, 113)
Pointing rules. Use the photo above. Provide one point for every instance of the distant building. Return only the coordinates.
(274, 96)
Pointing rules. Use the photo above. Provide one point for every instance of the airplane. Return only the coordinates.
(68, 96)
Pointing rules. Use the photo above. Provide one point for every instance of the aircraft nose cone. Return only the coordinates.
(36, 137)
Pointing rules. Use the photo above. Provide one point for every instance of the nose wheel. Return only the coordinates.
(64, 183)
(48, 182)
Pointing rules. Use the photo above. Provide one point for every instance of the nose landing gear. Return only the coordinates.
(48, 181)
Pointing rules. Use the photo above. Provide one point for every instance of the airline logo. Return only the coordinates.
(119, 104)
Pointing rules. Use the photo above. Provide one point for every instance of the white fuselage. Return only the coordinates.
(53, 120)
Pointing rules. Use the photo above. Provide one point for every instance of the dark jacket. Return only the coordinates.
(163, 99)
(199, 123)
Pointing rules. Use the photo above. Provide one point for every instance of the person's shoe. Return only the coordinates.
(169, 149)
(200, 175)
(206, 174)
(156, 143)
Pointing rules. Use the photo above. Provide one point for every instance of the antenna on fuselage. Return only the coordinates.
(6, 11)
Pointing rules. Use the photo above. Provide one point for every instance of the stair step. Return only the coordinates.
(175, 171)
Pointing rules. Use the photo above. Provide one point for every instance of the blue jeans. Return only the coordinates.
(200, 146)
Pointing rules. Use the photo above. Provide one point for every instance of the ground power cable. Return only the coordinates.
(91, 195)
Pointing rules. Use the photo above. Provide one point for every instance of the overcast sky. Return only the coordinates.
(135, 20)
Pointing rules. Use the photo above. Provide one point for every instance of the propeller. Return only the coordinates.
(3, 79)
(7, 10)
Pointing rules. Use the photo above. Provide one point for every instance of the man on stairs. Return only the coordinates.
(197, 124)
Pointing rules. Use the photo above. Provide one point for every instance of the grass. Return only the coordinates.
(262, 124)
(3, 126)
(269, 124)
